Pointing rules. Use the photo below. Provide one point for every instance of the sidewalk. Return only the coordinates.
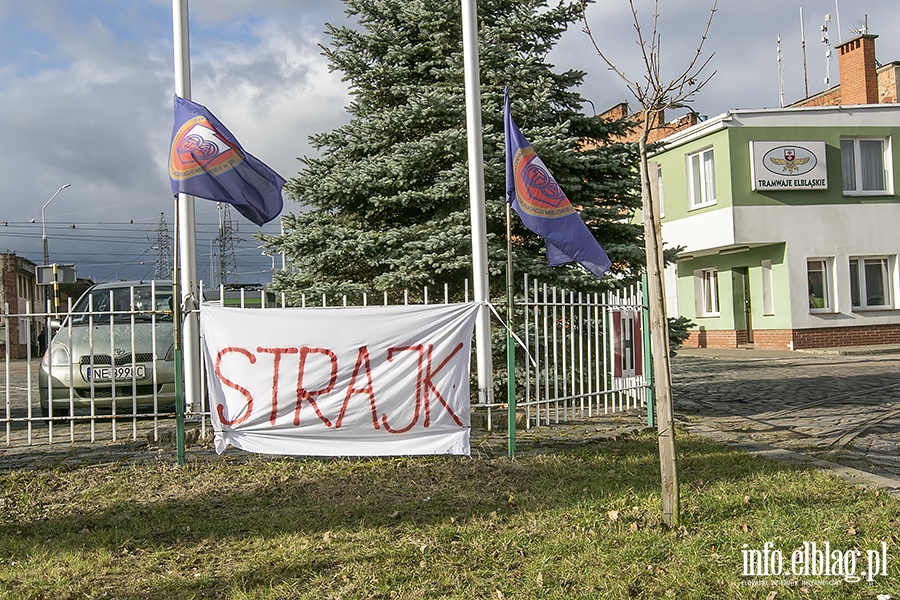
(836, 408)
(752, 353)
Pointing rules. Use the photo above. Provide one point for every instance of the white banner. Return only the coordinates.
(370, 381)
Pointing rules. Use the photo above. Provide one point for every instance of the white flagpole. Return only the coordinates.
(477, 200)
(190, 286)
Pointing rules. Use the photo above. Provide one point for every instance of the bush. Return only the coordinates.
(678, 332)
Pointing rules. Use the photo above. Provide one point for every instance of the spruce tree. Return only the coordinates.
(385, 205)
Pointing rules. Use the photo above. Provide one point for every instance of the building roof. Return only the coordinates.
(876, 115)
(868, 94)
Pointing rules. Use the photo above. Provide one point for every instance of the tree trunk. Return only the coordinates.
(659, 339)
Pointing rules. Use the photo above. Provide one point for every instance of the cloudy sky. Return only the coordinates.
(86, 99)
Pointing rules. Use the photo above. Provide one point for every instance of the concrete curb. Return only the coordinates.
(854, 350)
(848, 474)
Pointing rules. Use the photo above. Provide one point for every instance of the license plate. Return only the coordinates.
(109, 373)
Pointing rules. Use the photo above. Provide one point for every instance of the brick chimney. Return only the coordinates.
(859, 82)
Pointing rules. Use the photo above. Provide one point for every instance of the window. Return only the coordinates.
(871, 282)
(656, 186)
(865, 166)
(701, 179)
(124, 302)
(706, 288)
(767, 286)
(659, 191)
(818, 277)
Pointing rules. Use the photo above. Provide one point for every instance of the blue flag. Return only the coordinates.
(544, 207)
(206, 161)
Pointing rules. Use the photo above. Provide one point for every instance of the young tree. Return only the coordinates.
(655, 93)
(385, 204)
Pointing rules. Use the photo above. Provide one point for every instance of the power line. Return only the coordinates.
(129, 249)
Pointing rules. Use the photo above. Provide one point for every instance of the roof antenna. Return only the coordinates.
(803, 48)
(837, 13)
(825, 41)
(780, 75)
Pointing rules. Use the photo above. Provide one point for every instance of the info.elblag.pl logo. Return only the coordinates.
(827, 565)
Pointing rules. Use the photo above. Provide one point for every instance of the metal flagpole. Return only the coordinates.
(477, 201)
(190, 286)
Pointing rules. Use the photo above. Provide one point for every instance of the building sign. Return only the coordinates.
(50, 274)
(787, 166)
(626, 340)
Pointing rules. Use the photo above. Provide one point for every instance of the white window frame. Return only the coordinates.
(826, 267)
(858, 281)
(701, 178)
(855, 166)
(706, 292)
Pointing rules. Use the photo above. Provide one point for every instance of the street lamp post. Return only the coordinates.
(43, 225)
(47, 251)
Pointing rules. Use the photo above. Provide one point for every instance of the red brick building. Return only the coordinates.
(19, 292)
(862, 80)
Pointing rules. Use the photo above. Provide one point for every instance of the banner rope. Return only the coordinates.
(512, 334)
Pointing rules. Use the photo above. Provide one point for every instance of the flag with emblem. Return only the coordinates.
(544, 207)
(207, 161)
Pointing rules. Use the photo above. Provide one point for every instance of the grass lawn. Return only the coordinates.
(581, 523)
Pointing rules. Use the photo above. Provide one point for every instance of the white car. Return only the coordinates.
(116, 349)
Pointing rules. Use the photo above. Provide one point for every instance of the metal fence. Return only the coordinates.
(119, 387)
(571, 365)
(107, 375)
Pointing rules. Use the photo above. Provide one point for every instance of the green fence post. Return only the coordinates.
(510, 362)
(511, 394)
(647, 358)
(179, 372)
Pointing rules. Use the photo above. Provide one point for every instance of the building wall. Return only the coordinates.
(675, 173)
(856, 62)
(835, 235)
(19, 292)
(887, 83)
(778, 318)
(861, 80)
(659, 127)
(9, 298)
(798, 339)
(730, 134)
(826, 337)
(730, 140)
(8, 281)
(832, 128)
(787, 228)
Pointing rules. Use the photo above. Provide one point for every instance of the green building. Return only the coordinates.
(789, 218)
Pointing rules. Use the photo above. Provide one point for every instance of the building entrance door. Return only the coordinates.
(743, 323)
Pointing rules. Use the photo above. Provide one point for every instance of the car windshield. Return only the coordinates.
(122, 304)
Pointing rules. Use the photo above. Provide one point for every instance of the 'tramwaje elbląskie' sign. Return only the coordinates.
(788, 166)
